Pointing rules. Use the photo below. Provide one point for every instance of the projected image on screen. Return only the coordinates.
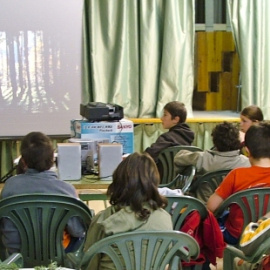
(29, 70)
(40, 65)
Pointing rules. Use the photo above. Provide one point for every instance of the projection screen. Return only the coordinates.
(40, 65)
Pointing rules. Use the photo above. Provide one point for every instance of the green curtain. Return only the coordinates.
(139, 54)
(250, 25)
(9, 150)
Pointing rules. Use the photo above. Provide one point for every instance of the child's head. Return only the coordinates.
(135, 182)
(257, 140)
(250, 115)
(173, 113)
(225, 137)
(37, 151)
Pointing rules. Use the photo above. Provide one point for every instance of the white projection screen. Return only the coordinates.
(40, 65)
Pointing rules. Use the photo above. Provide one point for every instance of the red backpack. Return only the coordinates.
(208, 235)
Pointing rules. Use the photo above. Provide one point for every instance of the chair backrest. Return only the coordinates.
(180, 206)
(187, 178)
(41, 220)
(166, 161)
(204, 186)
(254, 203)
(146, 250)
(183, 180)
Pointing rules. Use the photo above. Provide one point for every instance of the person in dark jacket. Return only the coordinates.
(174, 118)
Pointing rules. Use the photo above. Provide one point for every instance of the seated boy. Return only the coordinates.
(257, 143)
(174, 117)
(224, 155)
(37, 157)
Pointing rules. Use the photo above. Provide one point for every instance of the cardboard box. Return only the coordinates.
(117, 132)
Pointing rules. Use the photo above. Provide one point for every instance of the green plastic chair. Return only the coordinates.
(41, 220)
(254, 203)
(183, 180)
(166, 162)
(180, 206)
(15, 259)
(204, 186)
(143, 250)
(232, 252)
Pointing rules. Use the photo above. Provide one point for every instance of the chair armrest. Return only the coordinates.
(236, 252)
(73, 259)
(14, 258)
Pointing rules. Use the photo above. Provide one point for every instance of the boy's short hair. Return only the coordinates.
(176, 108)
(226, 137)
(37, 151)
(257, 140)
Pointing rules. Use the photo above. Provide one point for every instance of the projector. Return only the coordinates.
(98, 111)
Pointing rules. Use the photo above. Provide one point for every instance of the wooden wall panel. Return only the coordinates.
(217, 67)
(201, 65)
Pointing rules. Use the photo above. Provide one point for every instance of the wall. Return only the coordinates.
(217, 72)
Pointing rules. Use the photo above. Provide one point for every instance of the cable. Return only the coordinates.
(8, 175)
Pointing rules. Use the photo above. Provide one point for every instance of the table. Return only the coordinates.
(90, 182)
(91, 188)
(92, 191)
(86, 182)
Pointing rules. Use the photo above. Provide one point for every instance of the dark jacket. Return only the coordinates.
(180, 134)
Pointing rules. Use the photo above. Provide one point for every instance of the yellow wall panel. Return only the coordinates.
(228, 42)
(211, 52)
(201, 65)
(227, 103)
(218, 45)
(217, 71)
(211, 104)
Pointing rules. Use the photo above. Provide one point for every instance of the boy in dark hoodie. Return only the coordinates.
(174, 118)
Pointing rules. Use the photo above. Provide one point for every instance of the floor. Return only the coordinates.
(96, 206)
(219, 265)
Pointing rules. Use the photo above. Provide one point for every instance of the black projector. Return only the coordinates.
(98, 111)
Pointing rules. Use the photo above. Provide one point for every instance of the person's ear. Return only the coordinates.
(22, 162)
(177, 119)
(21, 167)
(247, 151)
